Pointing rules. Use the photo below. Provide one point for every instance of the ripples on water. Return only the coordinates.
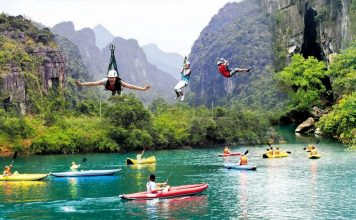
(286, 188)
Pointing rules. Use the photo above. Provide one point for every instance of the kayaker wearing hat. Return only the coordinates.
(113, 83)
(7, 171)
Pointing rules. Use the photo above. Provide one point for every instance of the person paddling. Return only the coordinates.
(270, 151)
(227, 150)
(113, 83)
(7, 171)
(276, 152)
(223, 67)
(74, 166)
(313, 151)
(243, 160)
(153, 187)
(139, 156)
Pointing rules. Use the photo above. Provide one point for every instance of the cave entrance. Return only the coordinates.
(310, 47)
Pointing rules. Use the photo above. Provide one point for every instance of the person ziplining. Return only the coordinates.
(223, 67)
(185, 77)
(113, 82)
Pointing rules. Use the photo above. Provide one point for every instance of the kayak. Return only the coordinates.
(148, 160)
(239, 167)
(23, 177)
(230, 154)
(86, 173)
(177, 191)
(281, 154)
(314, 156)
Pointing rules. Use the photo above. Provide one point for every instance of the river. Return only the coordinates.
(286, 188)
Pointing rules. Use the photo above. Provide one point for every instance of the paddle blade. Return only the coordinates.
(246, 152)
(84, 159)
(269, 145)
(15, 155)
(288, 152)
(304, 148)
(129, 161)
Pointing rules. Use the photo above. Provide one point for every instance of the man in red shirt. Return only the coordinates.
(223, 67)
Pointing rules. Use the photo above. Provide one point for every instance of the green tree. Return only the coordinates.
(306, 82)
(341, 121)
(343, 72)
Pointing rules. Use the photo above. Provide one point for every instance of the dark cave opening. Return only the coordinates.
(310, 47)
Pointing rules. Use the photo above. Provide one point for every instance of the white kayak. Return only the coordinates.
(86, 173)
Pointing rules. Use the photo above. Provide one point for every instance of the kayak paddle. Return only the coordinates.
(13, 158)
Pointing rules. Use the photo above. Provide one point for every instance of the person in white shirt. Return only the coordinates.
(153, 187)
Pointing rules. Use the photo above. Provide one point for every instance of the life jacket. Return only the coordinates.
(224, 70)
(276, 152)
(313, 152)
(117, 86)
(243, 160)
(7, 172)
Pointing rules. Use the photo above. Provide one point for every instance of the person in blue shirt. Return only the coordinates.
(184, 80)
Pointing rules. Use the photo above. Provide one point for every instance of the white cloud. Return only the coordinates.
(173, 25)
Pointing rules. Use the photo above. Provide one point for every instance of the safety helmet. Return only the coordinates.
(219, 62)
(187, 62)
(112, 73)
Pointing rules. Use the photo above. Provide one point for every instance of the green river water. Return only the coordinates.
(287, 188)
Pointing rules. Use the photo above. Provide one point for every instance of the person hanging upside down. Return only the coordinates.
(223, 67)
(185, 73)
(113, 83)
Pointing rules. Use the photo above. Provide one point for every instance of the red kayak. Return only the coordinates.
(176, 191)
(230, 154)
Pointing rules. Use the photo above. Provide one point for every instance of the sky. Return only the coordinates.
(173, 25)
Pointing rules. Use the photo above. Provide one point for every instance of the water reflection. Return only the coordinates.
(73, 187)
(148, 167)
(22, 191)
(243, 195)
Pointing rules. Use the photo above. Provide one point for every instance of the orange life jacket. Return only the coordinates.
(7, 171)
(243, 160)
(313, 152)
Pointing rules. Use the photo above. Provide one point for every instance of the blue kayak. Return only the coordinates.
(86, 173)
(239, 167)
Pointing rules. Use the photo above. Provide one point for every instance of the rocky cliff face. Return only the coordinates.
(102, 36)
(131, 60)
(49, 68)
(240, 33)
(84, 39)
(168, 62)
(318, 28)
(264, 34)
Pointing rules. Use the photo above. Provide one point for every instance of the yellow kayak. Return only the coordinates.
(148, 160)
(314, 156)
(23, 177)
(281, 154)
